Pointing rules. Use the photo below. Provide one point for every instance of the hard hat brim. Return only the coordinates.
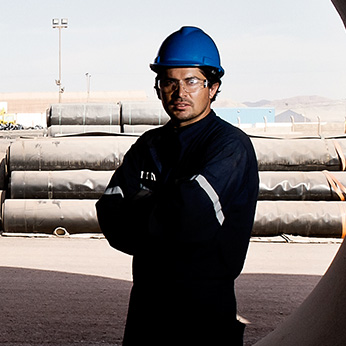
(159, 67)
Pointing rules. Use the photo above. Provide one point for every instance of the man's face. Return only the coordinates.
(184, 106)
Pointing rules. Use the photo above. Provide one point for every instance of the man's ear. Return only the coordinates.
(213, 90)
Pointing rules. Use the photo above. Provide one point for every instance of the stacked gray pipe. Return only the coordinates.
(55, 181)
(90, 184)
(97, 118)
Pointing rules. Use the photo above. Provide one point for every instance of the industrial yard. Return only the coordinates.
(64, 282)
(71, 108)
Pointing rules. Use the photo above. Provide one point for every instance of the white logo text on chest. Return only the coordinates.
(148, 176)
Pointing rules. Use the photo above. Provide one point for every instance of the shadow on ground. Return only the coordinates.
(265, 300)
(44, 307)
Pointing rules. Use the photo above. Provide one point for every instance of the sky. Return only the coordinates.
(270, 49)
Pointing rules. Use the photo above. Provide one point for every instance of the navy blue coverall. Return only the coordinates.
(183, 204)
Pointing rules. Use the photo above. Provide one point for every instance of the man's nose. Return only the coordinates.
(181, 89)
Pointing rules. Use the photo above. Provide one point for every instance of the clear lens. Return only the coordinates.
(190, 85)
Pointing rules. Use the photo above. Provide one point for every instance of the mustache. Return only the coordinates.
(179, 100)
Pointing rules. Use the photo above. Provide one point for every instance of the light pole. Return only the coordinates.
(88, 76)
(59, 24)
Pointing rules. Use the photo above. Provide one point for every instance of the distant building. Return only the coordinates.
(246, 115)
(286, 117)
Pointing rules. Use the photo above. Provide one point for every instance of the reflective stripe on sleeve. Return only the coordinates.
(204, 184)
(116, 190)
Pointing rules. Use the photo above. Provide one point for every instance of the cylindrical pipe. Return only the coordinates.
(68, 153)
(291, 185)
(296, 154)
(312, 219)
(106, 152)
(89, 184)
(83, 114)
(71, 184)
(44, 216)
(143, 113)
(308, 219)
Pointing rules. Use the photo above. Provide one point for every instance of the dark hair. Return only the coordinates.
(210, 73)
(213, 77)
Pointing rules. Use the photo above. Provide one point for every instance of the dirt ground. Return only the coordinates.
(57, 291)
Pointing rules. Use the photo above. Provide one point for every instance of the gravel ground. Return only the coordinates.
(75, 291)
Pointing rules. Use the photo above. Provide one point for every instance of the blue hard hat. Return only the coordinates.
(188, 47)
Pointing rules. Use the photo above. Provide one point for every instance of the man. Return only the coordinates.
(183, 203)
